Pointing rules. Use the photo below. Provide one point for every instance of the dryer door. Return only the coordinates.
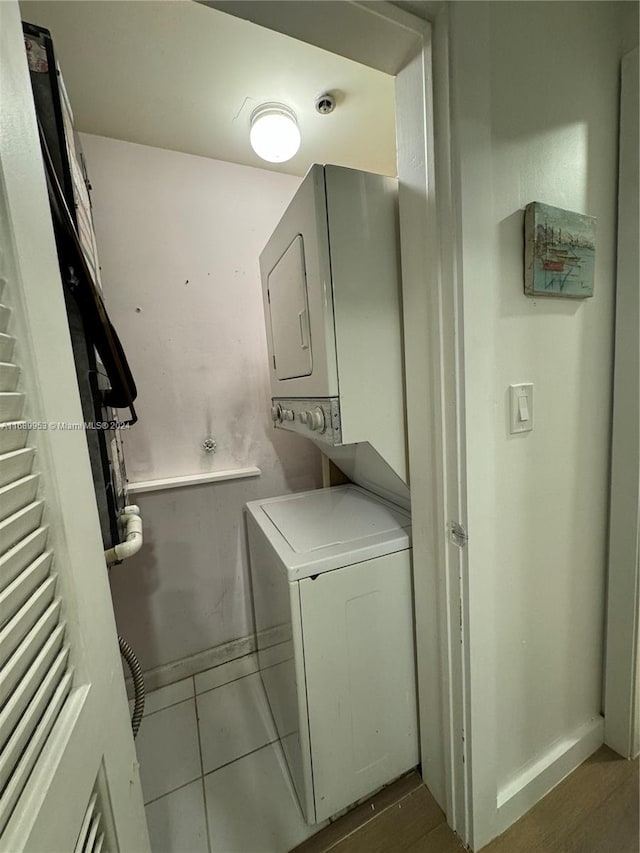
(289, 313)
(295, 268)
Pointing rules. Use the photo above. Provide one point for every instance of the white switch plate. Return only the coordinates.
(521, 407)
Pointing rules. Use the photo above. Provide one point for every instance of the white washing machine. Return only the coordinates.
(332, 588)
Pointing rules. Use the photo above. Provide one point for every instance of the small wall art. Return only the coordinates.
(559, 252)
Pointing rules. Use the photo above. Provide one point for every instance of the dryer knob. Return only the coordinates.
(316, 420)
(304, 417)
(288, 415)
(276, 414)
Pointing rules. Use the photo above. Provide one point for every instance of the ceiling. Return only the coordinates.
(178, 75)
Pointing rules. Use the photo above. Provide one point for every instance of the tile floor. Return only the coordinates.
(213, 774)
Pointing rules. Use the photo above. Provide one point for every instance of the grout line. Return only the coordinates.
(204, 793)
(195, 702)
(166, 707)
(240, 757)
(167, 675)
(173, 704)
(194, 675)
(224, 684)
(206, 815)
(172, 791)
(240, 677)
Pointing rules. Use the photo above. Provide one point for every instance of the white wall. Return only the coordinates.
(535, 111)
(179, 238)
(554, 140)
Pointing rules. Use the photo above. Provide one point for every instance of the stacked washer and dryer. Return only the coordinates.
(331, 568)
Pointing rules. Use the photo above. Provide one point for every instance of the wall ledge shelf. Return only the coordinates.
(191, 480)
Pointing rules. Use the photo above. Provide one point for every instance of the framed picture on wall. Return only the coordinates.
(559, 252)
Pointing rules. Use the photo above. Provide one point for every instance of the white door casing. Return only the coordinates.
(622, 684)
(84, 785)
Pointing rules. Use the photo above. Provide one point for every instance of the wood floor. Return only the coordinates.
(403, 817)
(595, 810)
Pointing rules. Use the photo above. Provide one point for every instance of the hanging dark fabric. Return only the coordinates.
(77, 277)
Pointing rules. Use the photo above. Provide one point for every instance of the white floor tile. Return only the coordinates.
(219, 675)
(251, 806)
(234, 719)
(163, 697)
(177, 822)
(273, 655)
(167, 747)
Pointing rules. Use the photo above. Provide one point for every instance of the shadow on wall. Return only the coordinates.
(186, 297)
(188, 589)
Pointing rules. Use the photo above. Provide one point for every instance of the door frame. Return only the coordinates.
(622, 679)
(415, 51)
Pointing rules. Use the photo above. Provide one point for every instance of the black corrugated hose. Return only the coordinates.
(138, 683)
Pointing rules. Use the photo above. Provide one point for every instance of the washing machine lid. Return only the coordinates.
(326, 529)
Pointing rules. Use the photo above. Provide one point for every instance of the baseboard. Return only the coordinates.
(538, 778)
(168, 673)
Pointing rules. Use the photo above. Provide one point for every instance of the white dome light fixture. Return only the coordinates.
(275, 135)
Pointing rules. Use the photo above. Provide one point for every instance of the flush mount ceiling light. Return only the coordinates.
(274, 135)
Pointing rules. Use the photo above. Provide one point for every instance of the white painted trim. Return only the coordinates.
(538, 778)
(472, 158)
(168, 673)
(621, 702)
(191, 480)
(431, 354)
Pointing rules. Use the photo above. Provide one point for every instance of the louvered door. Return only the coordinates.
(35, 671)
(68, 772)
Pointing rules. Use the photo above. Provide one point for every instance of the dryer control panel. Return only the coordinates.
(317, 418)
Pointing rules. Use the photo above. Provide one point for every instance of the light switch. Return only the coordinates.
(521, 407)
